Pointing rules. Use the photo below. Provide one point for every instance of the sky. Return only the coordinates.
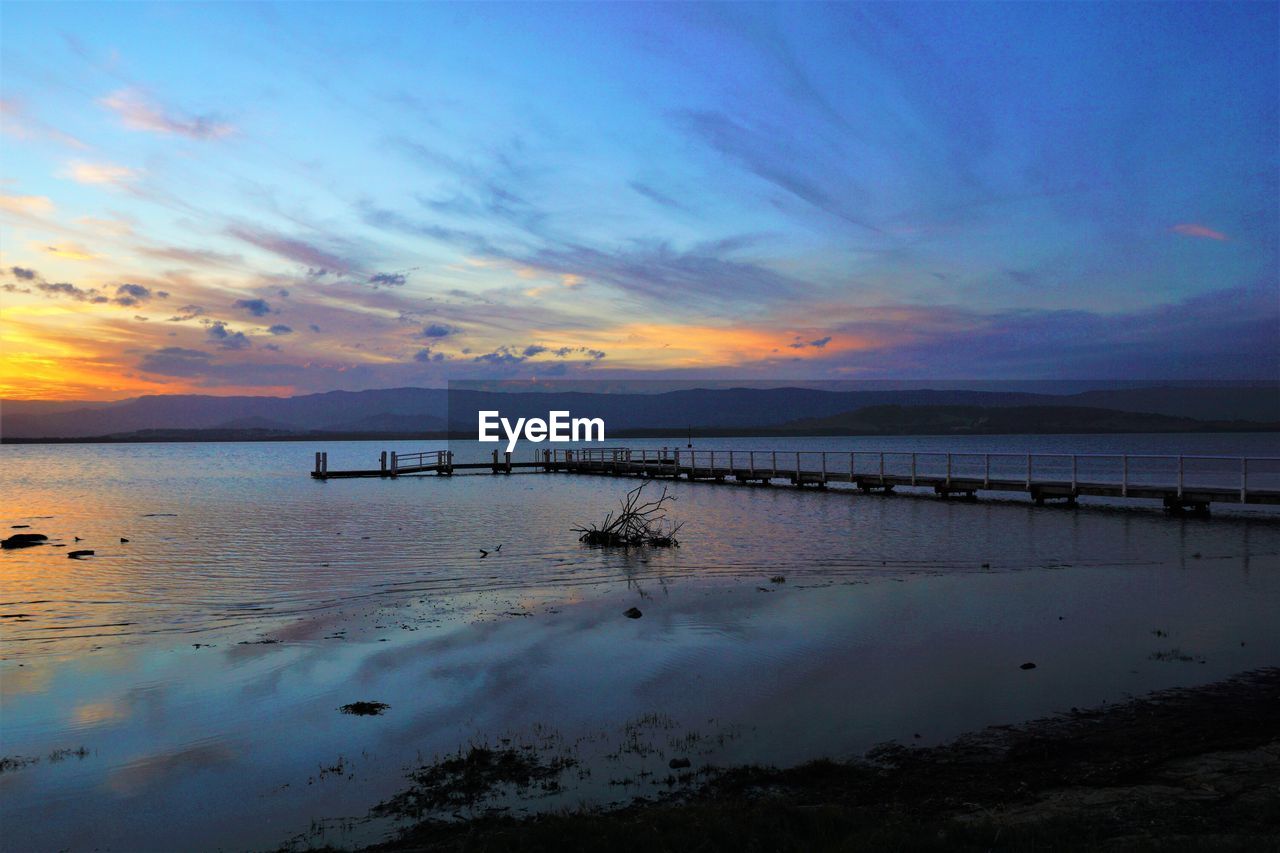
(283, 199)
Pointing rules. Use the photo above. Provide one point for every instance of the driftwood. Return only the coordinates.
(638, 522)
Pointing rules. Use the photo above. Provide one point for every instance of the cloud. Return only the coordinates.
(772, 156)
(70, 252)
(387, 279)
(136, 294)
(175, 361)
(1191, 229)
(426, 355)
(318, 261)
(32, 206)
(500, 356)
(389, 220)
(817, 344)
(657, 196)
(20, 123)
(90, 295)
(594, 353)
(186, 312)
(655, 270)
(98, 173)
(138, 112)
(534, 349)
(438, 330)
(220, 334)
(256, 307)
(202, 257)
(24, 273)
(280, 329)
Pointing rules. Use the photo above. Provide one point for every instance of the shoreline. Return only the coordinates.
(1186, 768)
(676, 434)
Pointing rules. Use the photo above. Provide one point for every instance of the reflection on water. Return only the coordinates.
(201, 663)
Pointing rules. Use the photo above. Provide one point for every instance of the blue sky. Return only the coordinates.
(369, 195)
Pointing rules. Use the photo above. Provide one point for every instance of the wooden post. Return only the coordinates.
(774, 469)
(986, 469)
(1179, 476)
(508, 461)
(824, 467)
(1124, 476)
(1244, 478)
(730, 461)
(853, 466)
(382, 462)
(913, 469)
(882, 467)
(1073, 473)
(394, 465)
(751, 463)
(797, 467)
(1028, 471)
(948, 469)
(317, 461)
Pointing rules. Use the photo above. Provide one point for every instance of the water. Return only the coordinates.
(149, 654)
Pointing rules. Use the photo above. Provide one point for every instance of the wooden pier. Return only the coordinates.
(1181, 483)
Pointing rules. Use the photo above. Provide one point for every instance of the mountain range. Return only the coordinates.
(415, 412)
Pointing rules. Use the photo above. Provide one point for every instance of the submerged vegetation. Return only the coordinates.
(1183, 769)
(466, 779)
(637, 522)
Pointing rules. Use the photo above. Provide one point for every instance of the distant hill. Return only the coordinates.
(414, 412)
(1012, 420)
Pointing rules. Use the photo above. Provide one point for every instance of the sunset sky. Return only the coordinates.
(237, 198)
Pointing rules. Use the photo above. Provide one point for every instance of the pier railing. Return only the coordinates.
(1181, 481)
(1176, 473)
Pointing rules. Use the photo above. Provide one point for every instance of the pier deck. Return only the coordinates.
(1182, 483)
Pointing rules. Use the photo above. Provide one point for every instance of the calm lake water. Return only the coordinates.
(200, 665)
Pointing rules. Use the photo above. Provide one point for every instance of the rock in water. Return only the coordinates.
(23, 540)
(1027, 665)
(75, 555)
(633, 613)
(678, 763)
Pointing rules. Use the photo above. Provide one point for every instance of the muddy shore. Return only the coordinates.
(1194, 769)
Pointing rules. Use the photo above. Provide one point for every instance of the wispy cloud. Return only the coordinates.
(79, 294)
(99, 173)
(293, 249)
(656, 270)
(1192, 229)
(137, 111)
(818, 343)
(771, 155)
(27, 205)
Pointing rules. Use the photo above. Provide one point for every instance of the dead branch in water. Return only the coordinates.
(637, 523)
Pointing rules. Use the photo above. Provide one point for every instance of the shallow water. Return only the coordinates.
(888, 626)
